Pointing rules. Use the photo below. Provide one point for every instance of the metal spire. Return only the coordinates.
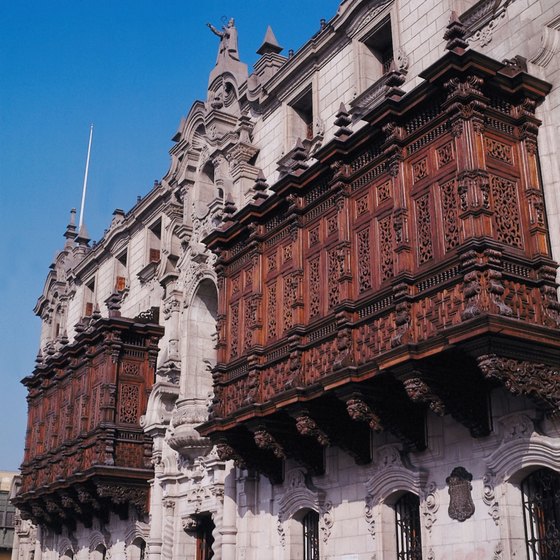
(85, 179)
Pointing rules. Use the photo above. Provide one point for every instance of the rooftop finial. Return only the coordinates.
(455, 35)
(269, 44)
(70, 232)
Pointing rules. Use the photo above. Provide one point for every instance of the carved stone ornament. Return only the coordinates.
(461, 505)
(431, 505)
(370, 515)
(326, 521)
(489, 497)
(190, 524)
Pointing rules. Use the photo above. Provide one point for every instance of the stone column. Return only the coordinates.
(229, 521)
(168, 529)
(156, 498)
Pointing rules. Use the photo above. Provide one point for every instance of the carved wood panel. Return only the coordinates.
(430, 219)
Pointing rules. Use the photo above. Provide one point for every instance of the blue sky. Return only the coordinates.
(133, 68)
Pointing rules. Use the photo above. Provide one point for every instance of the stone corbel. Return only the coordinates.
(549, 44)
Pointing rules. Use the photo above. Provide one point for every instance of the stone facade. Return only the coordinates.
(232, 150)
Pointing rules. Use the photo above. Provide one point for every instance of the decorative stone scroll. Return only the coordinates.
(489, 497)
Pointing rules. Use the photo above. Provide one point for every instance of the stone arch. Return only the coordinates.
(65, 549)
(300, 498)
(200, 329)
(390, 476)
(198, 356)
(390, 479)
(300, 495)
(516, 458)
(522, 451)
(136, 531)
(96, 539)
(137, 549)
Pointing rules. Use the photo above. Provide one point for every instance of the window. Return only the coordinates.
(121, 272)
(407, 514)
(300, 118)
(311, 536)
(376, 54)
(154, 242)
(89, 297)
(204, 538)
(541, 514)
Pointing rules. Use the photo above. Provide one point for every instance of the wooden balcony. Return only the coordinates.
(86, 454)
(409, 271)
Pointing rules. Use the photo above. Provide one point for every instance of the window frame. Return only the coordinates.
(538, 517)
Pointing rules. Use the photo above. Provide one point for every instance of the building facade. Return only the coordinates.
(331, 329)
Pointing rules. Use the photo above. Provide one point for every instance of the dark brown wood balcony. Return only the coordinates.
(86, 454)
(409, 271)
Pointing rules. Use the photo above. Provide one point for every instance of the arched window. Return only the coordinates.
(541, 513)
(137, 549)
(310, 523)
(407, 521)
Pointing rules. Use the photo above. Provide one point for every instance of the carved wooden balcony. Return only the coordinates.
(86, 454)
(408, 271)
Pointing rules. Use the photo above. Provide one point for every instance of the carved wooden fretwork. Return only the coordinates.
(386, 269)
(523, 377)
(86, 401)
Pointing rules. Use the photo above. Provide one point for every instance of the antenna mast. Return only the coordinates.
(85, 179)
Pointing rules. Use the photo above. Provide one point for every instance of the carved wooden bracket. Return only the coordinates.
(521, 377)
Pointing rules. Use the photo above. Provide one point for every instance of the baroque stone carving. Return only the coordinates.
(489, 497)
(326, 521)
(369, 515)
(461, 505)
(431, 505)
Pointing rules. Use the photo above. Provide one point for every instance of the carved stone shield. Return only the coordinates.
(461, 505)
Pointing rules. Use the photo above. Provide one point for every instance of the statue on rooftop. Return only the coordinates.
(228, 41)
